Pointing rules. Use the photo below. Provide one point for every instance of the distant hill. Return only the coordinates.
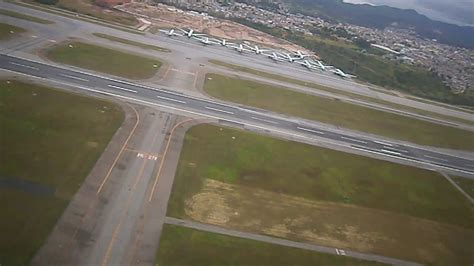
(384, 16)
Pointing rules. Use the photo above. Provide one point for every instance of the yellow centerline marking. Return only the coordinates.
(117, 228)
(163, 158)
(121, 150)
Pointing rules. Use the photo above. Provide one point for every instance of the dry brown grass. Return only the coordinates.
(332, 224)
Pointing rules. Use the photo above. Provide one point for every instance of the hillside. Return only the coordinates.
(384, 16)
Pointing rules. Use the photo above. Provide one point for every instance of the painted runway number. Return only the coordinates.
(147, 156)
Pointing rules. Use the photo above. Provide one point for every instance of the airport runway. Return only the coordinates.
(240, 115)
(182, 48)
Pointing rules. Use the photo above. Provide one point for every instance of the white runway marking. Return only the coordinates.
(264, 120)
(391, 152)
(120, 88)
(73, 77)
(219, 110)
(170, 99)
(435, 158)
(310, 130)
(382, 143)
(356, 140)
(399, 150)
(30, 67)
(411, 160)
(147, 156)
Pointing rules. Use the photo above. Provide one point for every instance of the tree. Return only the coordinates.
(47, 2)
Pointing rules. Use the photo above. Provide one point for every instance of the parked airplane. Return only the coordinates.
(205, 40)
(274, 56)
(256, 49)
(300, 54)
(341, 73)
(307, 64)
(323, 67)
(190, 33)
(239, 48)
(290, 59)
(171, 32)
(224, 42)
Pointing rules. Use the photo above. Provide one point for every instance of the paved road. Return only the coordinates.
(233, 113)
(284, 242)
(66, 27)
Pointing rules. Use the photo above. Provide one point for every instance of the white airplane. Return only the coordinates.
(256, 49)
(239, 48)
(341, 73)
(204, 40)
(324, 67)
(274, 56)
(171, 32)
(190, 33)
(300, 54)
(290, 59)
(307, 64)
(223, 42)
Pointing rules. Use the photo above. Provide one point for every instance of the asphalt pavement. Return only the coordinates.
(233, 113)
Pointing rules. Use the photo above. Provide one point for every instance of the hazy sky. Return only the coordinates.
(452, 11)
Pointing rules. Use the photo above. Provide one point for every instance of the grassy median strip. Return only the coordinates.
(105, 60)
(50, 140)
(260, 184)
(8, 31)
(346, 93)
(130, 42)
(183, 246)
(333, 111)
(24, 17)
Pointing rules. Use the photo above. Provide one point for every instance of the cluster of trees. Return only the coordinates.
(47, 2)
(383, 16)
(374, 69)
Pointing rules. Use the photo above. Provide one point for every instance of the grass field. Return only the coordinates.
(8, 31)
(336, 112)
(292, 190)
(102, 59)
(371, 68)
(88, 8)
(346, 93)
(50, 140)
(183, 246)
(466, 184)
(130, 42)
(23, 16)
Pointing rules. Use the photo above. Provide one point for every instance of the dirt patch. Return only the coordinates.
(331, 224)
(163, 16)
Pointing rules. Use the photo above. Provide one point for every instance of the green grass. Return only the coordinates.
(336, 112)
(372, 68)
(342, 92)
(315, 173)
(349, 201)
(24, 17)
(102, 59)
(133, 43)
(74, 15)
(88, 8)
(50, 139)
(7, 29)
(465, 183)
(183, 246)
